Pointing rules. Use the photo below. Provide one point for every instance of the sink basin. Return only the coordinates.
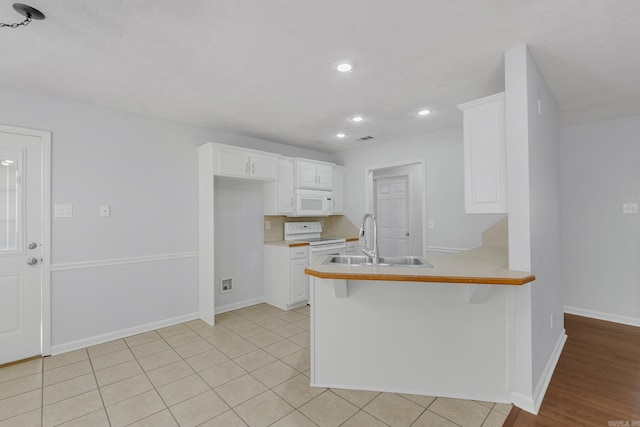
(406, 261)
(348, 260)
(365, 261)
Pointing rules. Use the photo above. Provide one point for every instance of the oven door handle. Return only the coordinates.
(328, 247)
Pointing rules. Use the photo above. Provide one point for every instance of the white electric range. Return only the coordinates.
(311, 232)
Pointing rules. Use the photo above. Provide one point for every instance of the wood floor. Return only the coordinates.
(596, 381)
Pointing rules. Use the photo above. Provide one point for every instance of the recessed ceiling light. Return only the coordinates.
(357, 119)
(344, 66)
(340, 135)
(424, 112)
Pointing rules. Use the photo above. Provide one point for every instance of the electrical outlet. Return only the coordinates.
(430, 224)
(630, 208)
(63, 211)
(267, 225)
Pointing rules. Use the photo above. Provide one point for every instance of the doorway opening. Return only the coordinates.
(396, 194)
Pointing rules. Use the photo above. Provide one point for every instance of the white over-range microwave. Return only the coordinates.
(312, 203)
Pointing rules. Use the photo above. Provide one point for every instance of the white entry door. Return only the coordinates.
(392, 210)
(21, 239)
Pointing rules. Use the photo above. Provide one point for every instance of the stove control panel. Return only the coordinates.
(302, 227)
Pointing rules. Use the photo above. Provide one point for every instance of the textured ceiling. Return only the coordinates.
(262, 68)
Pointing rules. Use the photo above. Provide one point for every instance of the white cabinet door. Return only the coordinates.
(315, 175)
(285, 284)
(244, 163)
(285, 187)
(233, 163)
(278, 195)
(485, 163)
(324, 177)
(338, 190)
(263, 167)
(307, 177)
(299, 281)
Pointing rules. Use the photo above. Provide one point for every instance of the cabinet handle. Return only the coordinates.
(246, 168)
(253, 168)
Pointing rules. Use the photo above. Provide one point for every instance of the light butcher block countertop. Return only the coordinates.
(483, 265)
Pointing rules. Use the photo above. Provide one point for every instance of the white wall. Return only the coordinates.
(544, 169)
(601, 246)
(534, 225)
(444, 178)
(137, 269)
(239, 241)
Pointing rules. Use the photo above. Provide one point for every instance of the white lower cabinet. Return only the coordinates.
(285, 284)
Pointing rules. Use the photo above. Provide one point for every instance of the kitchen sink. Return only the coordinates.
(365, 261)
(406, 261)
(348, 260)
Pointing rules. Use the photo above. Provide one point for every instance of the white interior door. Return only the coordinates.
(21, 244)
(392, 211)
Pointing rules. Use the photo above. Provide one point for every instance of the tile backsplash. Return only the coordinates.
(334, 226)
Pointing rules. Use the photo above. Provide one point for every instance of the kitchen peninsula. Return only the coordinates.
(441, 331)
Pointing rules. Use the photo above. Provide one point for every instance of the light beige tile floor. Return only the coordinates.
(250, 369)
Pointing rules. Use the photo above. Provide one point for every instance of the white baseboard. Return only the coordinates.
(501, 398)
(238, 305)
(616, 318)
(99, 339)
(532, 403)
(523, 402)
(442, 250)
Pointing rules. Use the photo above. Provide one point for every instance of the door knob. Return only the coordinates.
(32, 245)
(32, 261)
(406, 234)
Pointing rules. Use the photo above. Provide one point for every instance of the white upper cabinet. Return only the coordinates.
(278, 196)
(338, 190)
(244, 163)
(485, 163)
(313, 174)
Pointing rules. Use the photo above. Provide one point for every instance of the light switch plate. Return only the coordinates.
(630, 208)
(105, 210)
(63, 211)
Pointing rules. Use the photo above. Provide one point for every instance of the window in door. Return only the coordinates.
(10, 206)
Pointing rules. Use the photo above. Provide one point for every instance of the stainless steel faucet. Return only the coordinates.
(371, 253)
